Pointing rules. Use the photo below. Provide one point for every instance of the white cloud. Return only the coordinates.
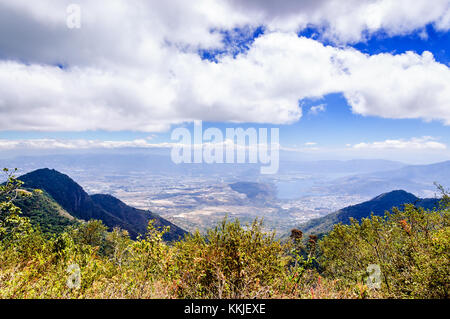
(136, 67)
(421, 143)
(399, 86)
(77, 144)
(317, 109)
(309, 147)
(85, 144)
(350, 20)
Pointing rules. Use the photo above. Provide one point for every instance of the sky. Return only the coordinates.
(353, 79)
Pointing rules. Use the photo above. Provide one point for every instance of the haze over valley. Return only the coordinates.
(198, 196)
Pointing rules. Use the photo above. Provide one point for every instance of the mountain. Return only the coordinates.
(339, 167)
(253, 190)
(414, 178)
(137, 217)
(73, 199)
(437, 172)
(377, 206)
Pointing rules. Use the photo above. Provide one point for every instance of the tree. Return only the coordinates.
(12, 225)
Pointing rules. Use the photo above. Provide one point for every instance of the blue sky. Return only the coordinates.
(250, 70)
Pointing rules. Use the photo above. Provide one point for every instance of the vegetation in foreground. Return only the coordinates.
(410, 246)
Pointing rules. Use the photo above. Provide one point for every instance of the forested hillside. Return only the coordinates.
(44, 212)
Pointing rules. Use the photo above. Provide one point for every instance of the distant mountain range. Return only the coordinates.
(157, 163)
(378, 206)
(75, 202)
(339, 167)
(364, 177)
(414, 178)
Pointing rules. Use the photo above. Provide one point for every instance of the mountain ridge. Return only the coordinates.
(377, 205)
(414, 178)
(110, 210)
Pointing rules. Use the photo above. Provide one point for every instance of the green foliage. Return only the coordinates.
(411, 246)
(147, 253)
(44, 212)
(303, 258)
(92, 233)
(13, 227)
(231, 261)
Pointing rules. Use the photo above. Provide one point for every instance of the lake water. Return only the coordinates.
(293, 189)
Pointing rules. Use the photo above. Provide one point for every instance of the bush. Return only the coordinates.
(229, 262)
(411, 246)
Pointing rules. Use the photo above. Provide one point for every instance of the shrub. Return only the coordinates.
(229, 262)
(411, 246)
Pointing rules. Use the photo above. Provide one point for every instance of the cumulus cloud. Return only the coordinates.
(137, 67)
(412, 86)
(350, 20)
(421, 143)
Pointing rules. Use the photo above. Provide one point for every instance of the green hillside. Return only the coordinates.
(378, 206)
(44, 211)
(136, 218)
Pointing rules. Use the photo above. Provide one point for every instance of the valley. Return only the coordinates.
(201, 202)
(199, 196)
